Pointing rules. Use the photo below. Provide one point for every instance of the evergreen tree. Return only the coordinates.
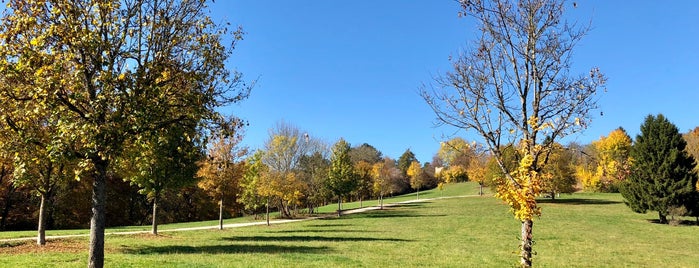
(342, 179)
(405, 160)
(663, 173)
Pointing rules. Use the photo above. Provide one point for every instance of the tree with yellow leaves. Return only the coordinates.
(110, 71)
(417, 178)
(513, 86)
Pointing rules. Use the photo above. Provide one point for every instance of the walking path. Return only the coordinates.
(237, 225)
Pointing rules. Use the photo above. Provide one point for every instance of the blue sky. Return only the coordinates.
(352, 69)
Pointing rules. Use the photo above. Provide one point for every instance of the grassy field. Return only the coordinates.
(581, 230)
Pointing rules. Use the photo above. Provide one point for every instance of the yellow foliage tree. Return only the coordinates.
(416, 177)
(613, 161)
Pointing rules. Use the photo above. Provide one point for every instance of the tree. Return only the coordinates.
(476, 170)
(248, 195)
(363, 171)
(283, 188)
(110, 71)
(313, 171)
(381, 173)
(222, 171)
(513, 86)
(416, 177)
(405, 160)
(558, 172)
(613, 161)
(662, 174)
(455, 152)
(366, 153)
(342, 179)
(692, 139)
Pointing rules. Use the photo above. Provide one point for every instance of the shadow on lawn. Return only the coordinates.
(578, 201)
(224, 249)
(321, 231)
(306, 238)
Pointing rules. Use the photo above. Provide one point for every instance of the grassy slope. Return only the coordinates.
(579, 230)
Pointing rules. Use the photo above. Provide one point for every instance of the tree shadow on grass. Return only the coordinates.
(578, 201)
(307, 238)
(321, 231)
(224, 249)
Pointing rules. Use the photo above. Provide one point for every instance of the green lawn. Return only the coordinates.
(577, 230)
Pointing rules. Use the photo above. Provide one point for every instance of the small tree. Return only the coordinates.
(416, 177)
(222, 171)
(513, 86)
(662, 175)
(342, 179)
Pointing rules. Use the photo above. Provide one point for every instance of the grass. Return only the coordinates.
(579, 230)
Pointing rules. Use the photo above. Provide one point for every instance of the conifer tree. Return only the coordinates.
(663, 174)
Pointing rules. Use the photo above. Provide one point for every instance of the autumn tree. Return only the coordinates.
(558, 172)
(692, 139)
(364, 186)
(455, 152)
(476, 170)
(381, 173)
(313, 171)
(108, 72)
(662, 174)
(248, 194)
(222, 170)
(513, 86)
(416, 177)
(613, 161)
(283, 188)
(342, 179)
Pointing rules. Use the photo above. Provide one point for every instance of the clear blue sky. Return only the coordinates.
(352, 69)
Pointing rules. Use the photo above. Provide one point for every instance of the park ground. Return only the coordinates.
(450, 228)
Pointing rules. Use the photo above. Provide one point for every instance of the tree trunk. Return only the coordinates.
(480, 189)
(8, 206)
(41, 230)
(418, 194)
(220, 214)
(267, 211)
(339, 206)
(526, 251)
(361, 205)
(381, 201)
(553, 195)
(662, 217)
(97, 222)
(154, 229)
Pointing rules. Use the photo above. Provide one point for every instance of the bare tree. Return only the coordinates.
(513, 86)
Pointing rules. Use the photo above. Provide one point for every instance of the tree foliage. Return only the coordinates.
(662, 175)
(513, 86)
(366, 153)
(404, 161)
(613, 162)
(342, 178)
(559, 172)
(110, 71)
(455, 152)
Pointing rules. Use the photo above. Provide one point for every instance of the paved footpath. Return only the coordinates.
(237, 225)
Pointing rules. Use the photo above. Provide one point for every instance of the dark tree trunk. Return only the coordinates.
(97, 222)
(41, 229)
(154, 230)
(8, 205)
(662, 217)
(220, 214)
(267, 213)
(480, 189)
(339, 206)
(527, 242)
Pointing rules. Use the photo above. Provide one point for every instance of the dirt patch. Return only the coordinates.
(54, 246)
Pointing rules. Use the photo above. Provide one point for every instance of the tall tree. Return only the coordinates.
(663, 174)
(110, 71)
(381, 173)
(248, 195)
(366, 153)
(405, 160)
(513, 86)
(222, 171)
(365, 182)
(342, 179)
(313, 171)
(613, 160)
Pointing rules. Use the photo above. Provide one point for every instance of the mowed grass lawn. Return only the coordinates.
(582, 230)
